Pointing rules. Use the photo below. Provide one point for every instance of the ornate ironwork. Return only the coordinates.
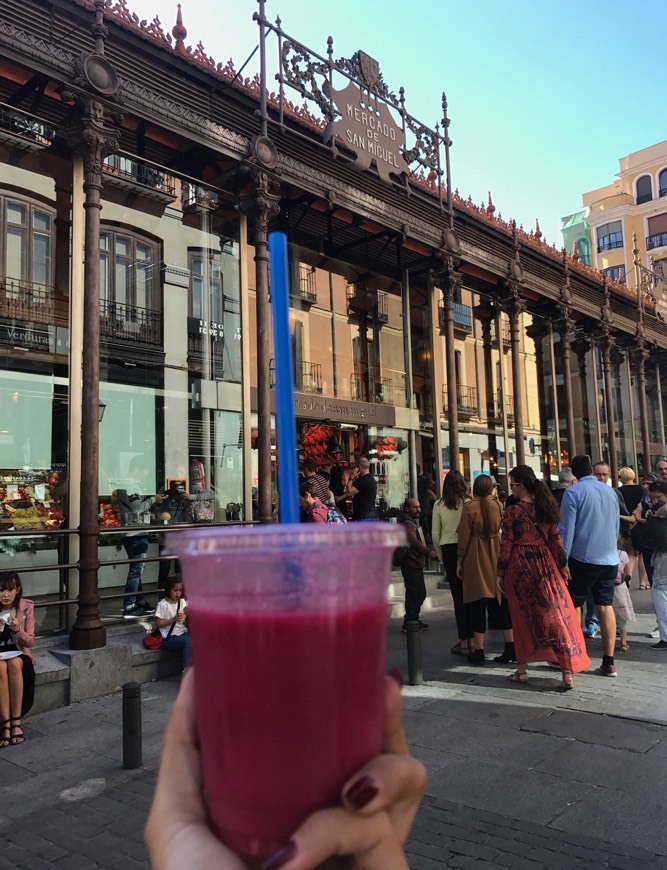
(315, 78)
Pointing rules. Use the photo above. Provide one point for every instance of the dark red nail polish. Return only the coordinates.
(361, 792)
(396, 675)
(281, 857)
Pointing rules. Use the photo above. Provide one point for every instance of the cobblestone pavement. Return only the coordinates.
(518, 777)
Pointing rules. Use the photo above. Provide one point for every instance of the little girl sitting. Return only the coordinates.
(622, 603)
(171, 616)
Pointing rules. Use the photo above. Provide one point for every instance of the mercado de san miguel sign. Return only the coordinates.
(366, 125)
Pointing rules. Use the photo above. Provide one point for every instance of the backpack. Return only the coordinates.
(333, 516)
(399, 556)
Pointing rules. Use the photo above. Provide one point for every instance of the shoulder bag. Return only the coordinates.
(154, 640)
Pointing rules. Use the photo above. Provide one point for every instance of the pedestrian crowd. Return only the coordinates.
(548, 568)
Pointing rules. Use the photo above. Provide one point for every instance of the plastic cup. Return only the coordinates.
(288, 631)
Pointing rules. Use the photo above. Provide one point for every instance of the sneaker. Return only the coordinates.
(130, 611)
(423, 626)
(590, 631)
(607, 671)
(145, 609)
(655, 633)
(661, 644)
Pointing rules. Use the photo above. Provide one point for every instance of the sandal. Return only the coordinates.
(458, 650)
(567, 682)
(16, 739)
(5, 734)
(643, 587)
(518, 677)
(624, 647)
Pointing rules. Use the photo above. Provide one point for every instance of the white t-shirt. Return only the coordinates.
(166, 610)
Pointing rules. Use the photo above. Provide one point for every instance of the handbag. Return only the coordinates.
(154, 640)
(654, 534)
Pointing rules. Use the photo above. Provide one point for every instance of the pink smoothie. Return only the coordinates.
(289, 706)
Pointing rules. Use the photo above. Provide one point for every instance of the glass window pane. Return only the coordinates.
(16, 214)
(15, 255)
(41, 259)
(104, 241)
(41, 221)
(104, 278)
(121, 290)
(122, 246)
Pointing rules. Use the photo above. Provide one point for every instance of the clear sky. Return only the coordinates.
(544, 97)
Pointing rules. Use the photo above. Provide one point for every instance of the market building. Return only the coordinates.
(426, 331)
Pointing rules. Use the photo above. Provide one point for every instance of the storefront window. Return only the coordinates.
(127, 430)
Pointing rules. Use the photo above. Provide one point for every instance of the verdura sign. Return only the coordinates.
(367, 127)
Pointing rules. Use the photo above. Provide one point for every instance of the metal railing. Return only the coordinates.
(382, 390)
(382, 309)
(195, 197)
(359, 388)
(466, 400)
(656, 241)
(26, 126)
(307, 283)
(307, 376)
(59, 603)
(21, 300)
(606, 243)
(505, 333)
(135, 170)
(130, 323)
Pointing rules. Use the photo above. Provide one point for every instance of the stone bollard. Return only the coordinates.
(414, 644)
(132, 755)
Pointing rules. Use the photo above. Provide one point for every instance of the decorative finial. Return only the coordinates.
(490, 207)
(538, 231)
(575, 253)
(179, 32)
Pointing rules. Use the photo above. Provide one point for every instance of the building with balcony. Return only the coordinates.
(424, 329)
(627, 219)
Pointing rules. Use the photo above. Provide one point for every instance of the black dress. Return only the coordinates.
(7, 644)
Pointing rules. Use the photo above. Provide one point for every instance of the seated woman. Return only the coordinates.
(17, 672)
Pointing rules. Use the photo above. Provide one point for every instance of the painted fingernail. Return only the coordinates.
(281, 857)
(396, 675)
(361, 792)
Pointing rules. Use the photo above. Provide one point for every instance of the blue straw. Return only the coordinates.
(284, 390)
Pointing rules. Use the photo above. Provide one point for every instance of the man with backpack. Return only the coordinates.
(314, 509)
(413, 562)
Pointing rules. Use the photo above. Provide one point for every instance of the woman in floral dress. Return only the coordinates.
(532, 571)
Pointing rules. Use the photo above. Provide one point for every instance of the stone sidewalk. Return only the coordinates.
(520, 777)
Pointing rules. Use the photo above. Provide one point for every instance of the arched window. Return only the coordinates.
(662, 182)
(644, 189)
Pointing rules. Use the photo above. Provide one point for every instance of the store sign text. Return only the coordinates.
(367, 127)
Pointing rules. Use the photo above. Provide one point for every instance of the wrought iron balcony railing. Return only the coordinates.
(307, 379)
(29, 303)
(658, 240)
(494, 409)
(382, 390)
(138, 175)
(504, 332)
(194, 198)
(367, 303)
(23, 127)
(130, 323)
(466, 401)
(307, 287)
(606, 243)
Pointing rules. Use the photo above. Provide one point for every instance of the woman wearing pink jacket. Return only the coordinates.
(17, 672)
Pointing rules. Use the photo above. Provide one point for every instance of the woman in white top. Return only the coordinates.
(444, 532)
(171, 616)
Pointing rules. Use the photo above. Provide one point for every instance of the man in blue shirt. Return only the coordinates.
(589, 524)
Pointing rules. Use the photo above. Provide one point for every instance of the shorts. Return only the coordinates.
(597, 580)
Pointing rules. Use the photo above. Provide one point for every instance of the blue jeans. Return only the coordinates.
(136, 547)
(177, 642)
